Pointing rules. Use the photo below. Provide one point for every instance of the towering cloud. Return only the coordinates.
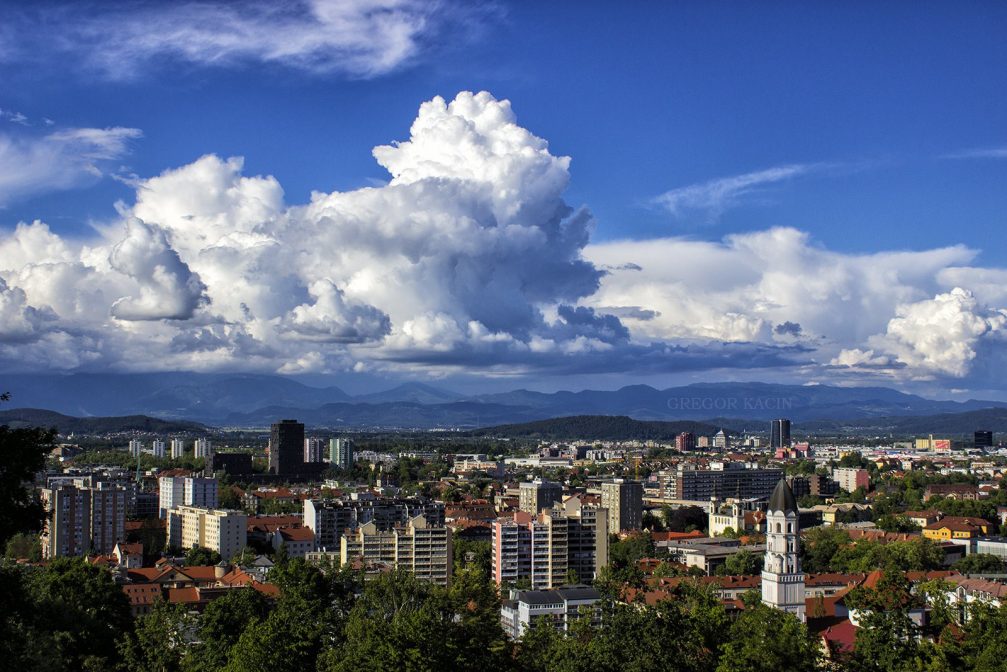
(470, 251)
(469, 259)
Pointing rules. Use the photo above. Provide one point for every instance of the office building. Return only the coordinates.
(135, 447)
(534, 496)
(220, 530)
(685, 442)
(983, 439)
(177, 448)
(779, 433)
(727, 479)
(341, 453)
(721, 441)
(286, 447)
(421, 548)
(313, 449)
(782, 578)
(544, 548)
(82, 519)
(202, 448)
(182, 491)
(624, 501)
(560, 606)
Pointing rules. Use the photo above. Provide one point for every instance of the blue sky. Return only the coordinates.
(860, 129)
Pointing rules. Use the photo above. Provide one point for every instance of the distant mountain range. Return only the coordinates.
(250, 400)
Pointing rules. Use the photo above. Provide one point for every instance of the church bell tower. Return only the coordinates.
(782, 578)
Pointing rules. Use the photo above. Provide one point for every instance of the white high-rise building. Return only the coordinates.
(157, 448)
(314, 449)
(782, 579)
(177, 448)
(220, 530)
(177, 491)
(202, 448)
(341, 453)
(135, 447)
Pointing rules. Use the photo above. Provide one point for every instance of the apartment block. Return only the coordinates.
(220, 530)
(544, 548)
(624, 501)
(82, 519)
(849, 478)
(177, 448)
(202, 448)
(329, 519)
(182, 491)
(537, 495)
(341, 453)
(418, 547)
(314, 449)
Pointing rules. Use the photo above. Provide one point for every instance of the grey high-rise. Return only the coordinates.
(286, 447)
(624, 501)
(537, 495)
(779, 434)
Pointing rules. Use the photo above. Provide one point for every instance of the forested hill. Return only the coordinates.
(65, 424)
(600, 428)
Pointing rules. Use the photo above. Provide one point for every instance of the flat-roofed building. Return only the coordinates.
(545, 548)
(535, 496)
(82, 519)
(560, 606)
(418, 547)
(221, 530)
(624, 501)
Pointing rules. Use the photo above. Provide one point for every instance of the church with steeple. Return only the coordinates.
(782, 578)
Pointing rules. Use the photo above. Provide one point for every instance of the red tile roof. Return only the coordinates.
(297, 534)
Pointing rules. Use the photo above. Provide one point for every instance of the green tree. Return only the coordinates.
(764, 639)
(24, 546)
(820, 545)
(290, 638)
(466, 552)
(980, 563)
(79, 611)
(743, 562)
(896, 523)
(157, 642)
(221, 625)
(201, 557)
(22, 455)
(887, 639)
(401, 623)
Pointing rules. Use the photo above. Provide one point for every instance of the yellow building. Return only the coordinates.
(220, 530)
(954, 527)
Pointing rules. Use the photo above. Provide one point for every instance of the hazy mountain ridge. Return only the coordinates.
(257, 400)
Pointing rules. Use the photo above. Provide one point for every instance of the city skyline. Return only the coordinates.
(507, 197)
